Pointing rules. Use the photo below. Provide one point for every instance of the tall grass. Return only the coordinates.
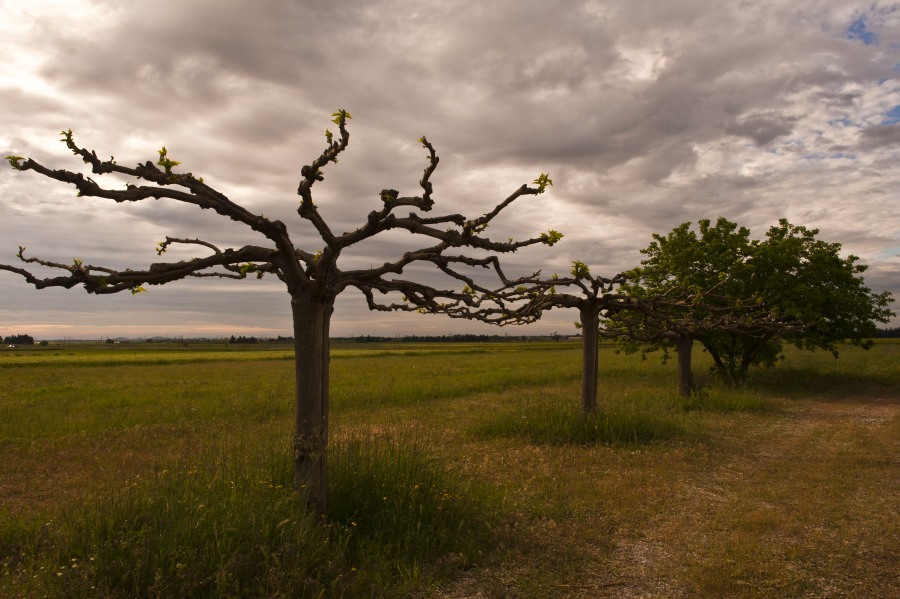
(228, 524)
(406, 509)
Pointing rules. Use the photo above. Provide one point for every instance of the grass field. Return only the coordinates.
(458, 470)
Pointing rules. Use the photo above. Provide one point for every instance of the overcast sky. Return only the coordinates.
(645, 114)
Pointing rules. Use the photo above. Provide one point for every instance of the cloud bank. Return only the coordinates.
(645, 115)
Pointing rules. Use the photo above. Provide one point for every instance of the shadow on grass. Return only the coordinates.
(542, 423)
(831, 384)
(856, 375)
(724, 399)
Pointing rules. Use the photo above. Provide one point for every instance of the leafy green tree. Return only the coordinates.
(311, 276)
(698, 275)
(742, 299)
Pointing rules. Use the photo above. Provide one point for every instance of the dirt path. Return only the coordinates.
(805, 503)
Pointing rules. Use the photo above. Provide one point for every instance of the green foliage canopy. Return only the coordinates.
(742, 298)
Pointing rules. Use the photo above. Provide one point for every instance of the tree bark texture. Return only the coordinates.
(311, 344)
(590, 321)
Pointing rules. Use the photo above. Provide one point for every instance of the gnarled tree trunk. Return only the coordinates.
(312, 317)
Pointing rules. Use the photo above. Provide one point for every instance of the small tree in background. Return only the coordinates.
(525, 299)
(19, 339)
(311, 276)
(700, 279)
(595, 298)
(743, 298)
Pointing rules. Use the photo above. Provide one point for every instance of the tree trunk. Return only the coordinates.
(590, 321)
(684, 344)
(312, 318)
(727, 369)
(746, 360)
(750, 352)
(723, 358)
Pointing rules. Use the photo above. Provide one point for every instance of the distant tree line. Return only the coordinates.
(455, 338)
(19, 340)
(888, 333)
(243, 339)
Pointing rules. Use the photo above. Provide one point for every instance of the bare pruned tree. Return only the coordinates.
(525, 299)
(594, 297)
(312, 276)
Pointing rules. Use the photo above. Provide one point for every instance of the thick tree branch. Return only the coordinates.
(313, 172)
(105, 280)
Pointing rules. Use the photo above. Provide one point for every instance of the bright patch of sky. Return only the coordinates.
(643, 64)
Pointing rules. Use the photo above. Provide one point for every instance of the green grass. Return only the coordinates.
(819, 374)
(406, 510)
(743, 399)
(456, 470)
(542, 420)
(212, 528)
(228, 524)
